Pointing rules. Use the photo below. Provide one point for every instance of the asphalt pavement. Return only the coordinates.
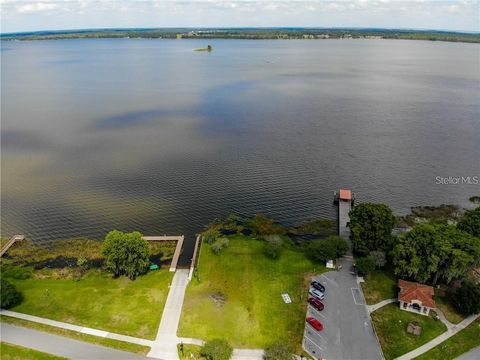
(348, 333)
(61, 346)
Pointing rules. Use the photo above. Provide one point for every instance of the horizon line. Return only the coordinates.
(472, 32)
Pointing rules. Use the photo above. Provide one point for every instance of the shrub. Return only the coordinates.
(218, 245)
(278, 351)
(262, 225)
(379, 258)
(273, 246)
(210, 235)
(321, 251)
(340, 244)
(126, 253)
(365, 265)
(467, 298)
(10, 296)
(218, 349)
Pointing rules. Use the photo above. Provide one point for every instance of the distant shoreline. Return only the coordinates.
(249, 34)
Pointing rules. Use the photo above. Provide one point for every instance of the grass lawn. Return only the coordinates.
(239, 296)
(448, 310)
(15, 352)
(458, 344)
(190, 352)
(378, 286)
(391, 326)
(121, 345)
(98, 301)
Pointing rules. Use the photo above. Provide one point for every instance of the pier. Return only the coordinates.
(178, 249)
(345, 200)
(12, 241)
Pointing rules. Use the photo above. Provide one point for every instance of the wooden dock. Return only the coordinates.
(178, 249)
(195, 256)
(345, 199)
(12, 241)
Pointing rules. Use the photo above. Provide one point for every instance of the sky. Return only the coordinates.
(26, 15)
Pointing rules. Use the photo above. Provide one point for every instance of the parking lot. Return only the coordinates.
(348, 332)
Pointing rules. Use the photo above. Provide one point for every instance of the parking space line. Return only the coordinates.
(353, 295)
(329, 280)
(316, 345)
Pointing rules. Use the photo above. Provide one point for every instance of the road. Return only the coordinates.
(61, 346)
(348, 333)
(470, 355)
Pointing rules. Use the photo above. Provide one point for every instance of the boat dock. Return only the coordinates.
(345, 200)
(178, 249)
(12, 241)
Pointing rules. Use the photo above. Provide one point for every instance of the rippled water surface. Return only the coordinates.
(151, 135)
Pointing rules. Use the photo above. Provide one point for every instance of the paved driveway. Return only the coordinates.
(61, 346)
(348, 333)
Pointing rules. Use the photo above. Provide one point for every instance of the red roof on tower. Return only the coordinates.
(345, 194)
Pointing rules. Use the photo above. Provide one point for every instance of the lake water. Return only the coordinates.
(150, 135)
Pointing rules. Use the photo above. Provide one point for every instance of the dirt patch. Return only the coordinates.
(218, 299)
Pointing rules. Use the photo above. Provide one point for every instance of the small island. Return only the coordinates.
(208, 48)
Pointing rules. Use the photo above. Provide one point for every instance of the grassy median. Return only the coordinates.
(391, 326)
(455, 346)
(238, 296)
(15, 352)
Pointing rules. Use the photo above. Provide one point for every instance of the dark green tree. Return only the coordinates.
(467, 298)
(218, 349)
(365, 265)
(10, 296)
(371, 227)
(330, 248)
(434, 251)
(210, 235)
(321, 251)
(470, 222)
(379, 258)
(278, 351)
(126, 253)
(340, 244)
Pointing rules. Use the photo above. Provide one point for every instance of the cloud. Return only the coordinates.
(62, 14)
(37, 7)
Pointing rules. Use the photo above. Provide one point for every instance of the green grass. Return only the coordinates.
(455, 346)
(254, 314)
(447, 308)
(378, 286)
(15, 352)
(99, 301)
(121, 345)
(391, 327)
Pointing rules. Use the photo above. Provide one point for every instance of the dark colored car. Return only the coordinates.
(317, 325)
(318, 286)
(317, 304)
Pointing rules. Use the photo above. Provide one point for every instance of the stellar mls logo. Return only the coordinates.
(457, 180)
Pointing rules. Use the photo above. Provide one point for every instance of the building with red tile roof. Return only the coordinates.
(415, 297)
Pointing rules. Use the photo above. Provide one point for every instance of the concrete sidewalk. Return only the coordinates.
(165, 344)
(372, 308)
(61, 346)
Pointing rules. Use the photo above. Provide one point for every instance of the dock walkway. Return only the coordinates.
(12, 241)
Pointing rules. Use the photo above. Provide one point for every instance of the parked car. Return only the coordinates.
(317, 325)
(316, 293)
(317, 304)
(318, 286)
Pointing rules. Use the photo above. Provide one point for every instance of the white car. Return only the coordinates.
(316, 293)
